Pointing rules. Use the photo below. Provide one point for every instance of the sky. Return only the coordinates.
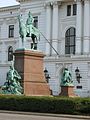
(4, 3)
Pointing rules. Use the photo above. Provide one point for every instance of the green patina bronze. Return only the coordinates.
(12, 84)
(29, 24)
(66, 79)
(28, 29)
(22, 29)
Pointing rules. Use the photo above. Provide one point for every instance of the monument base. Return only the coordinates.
(67, 91)
(29, 64)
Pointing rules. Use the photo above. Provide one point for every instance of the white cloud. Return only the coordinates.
(4, 3)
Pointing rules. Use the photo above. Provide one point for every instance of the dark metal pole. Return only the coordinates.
(49, 43)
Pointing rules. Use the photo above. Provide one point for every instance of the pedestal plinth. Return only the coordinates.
(67, 91)
(29, 64)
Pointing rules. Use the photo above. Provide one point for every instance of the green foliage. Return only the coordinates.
(45, 104)
(83, 105)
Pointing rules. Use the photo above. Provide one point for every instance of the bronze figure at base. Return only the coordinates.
(67, 87)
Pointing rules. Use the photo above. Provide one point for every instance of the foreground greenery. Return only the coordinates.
(46, 104)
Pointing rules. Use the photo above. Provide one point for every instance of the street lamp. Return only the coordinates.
(78, 76)
(46, 75)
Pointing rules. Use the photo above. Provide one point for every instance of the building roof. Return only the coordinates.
(6, 3)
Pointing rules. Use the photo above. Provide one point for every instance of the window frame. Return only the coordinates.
(10, 53)
(74, 9)
(11, 31)
(68, 44)
(68, 10)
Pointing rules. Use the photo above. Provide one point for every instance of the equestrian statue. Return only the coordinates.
(28, 30)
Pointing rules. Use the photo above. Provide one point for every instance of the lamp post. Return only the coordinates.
(46, 75)
(78, 76)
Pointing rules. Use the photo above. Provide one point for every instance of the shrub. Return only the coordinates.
(45, 104)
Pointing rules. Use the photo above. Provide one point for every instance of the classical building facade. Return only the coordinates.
(65, 39)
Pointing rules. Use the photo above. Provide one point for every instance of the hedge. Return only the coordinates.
(44, 104)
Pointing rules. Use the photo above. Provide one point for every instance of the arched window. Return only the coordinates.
(10, 53)
(70, 41)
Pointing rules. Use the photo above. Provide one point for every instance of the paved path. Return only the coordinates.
(15, 116)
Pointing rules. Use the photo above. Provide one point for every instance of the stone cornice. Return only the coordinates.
(43, 0)
(15, 7)
(66, 0)
(55, 3)
(24, 0)
(78, 0)
(47, 4)
(71, 59)
(52, 3)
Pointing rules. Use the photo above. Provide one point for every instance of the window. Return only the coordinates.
(70, 41)
(36, 22)
(10, 53)
(74, 9)
(71, 10)
(68, 10)
(11, 31)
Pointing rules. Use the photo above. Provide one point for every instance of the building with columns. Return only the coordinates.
(65, 39)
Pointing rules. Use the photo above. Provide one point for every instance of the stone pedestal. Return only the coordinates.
(67, 91)
(29, 64)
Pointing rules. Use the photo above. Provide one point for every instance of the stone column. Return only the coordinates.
(48, 27)
(86, 26)
(55, 27)
(79, 27)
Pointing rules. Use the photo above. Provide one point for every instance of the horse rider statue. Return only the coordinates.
(28, 29)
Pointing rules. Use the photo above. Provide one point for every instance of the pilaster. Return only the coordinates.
(86, 27)
(79, 22)
(55, 27)
(48, 26)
